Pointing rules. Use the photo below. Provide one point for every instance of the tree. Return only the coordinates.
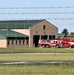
(65, 32)
(72, 34)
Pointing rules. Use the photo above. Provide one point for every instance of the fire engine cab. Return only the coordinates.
(47, 43)
(58, 42)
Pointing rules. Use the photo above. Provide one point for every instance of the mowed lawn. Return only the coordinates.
(37, 69)
(36, 57)
(37, 54)
(37, 50)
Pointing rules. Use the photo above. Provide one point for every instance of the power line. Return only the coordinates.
(41, 13)
(37, 19)
(60, 18)
(36, 7)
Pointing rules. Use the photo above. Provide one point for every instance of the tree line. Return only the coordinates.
(66, 33)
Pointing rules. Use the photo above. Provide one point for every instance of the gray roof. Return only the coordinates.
(18, 24)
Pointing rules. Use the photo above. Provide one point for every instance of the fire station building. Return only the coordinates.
(25, 33)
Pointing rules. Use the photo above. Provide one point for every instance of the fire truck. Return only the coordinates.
(58, 42)
(47, 43)
(66, 42)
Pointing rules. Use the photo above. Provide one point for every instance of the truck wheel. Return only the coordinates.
(43, 46)
(47, 46)
(72, 46)
(57, 46)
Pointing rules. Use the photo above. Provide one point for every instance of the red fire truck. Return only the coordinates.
(66, 42)
(47, 43)
(58, 42)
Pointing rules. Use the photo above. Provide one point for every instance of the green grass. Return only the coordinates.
(37, 69)
(36, 57)
(37, 50)
(61, 69)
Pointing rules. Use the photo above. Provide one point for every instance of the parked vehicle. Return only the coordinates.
(68, 42)
(63, 45)
(47, 43)
(59, 42)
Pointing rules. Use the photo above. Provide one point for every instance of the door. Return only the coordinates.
(36, 40)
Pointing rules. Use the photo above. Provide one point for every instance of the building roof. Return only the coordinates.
(61, 35)
(9, 33)
(18, 24)
(2, 37)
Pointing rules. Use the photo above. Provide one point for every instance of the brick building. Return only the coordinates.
(25, 33)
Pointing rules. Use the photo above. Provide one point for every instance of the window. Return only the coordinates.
(23, 42)
(27, 41)
(16, 42)
(8, 42)
(12, 42)
(44, 27)
(19, 42)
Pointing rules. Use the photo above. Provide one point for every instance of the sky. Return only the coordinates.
(59, 20)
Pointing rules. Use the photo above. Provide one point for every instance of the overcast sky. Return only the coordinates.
(56, 19)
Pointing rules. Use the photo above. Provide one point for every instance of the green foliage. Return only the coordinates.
(72, 34)
(65, 31)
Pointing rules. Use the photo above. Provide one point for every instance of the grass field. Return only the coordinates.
(36, 57)
(37, 69)
(37, 50)
(43, 54)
